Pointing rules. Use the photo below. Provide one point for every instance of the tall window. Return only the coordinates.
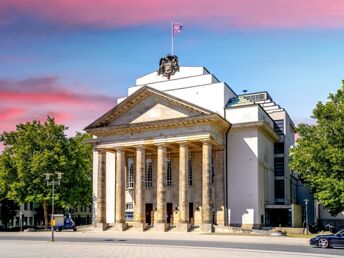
(149, 171)
(190, 168)
(279, 127)
(130, 172)
(169, 170)
(279, 166)
(279, 189)
(212, 167)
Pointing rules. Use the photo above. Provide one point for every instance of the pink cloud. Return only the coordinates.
(223, 13)
(37, 98)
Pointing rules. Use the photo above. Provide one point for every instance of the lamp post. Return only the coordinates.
(52, 183)
(306, 205)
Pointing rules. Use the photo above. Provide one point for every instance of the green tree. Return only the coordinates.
(8, 209)
(37, 148)
(319, 154)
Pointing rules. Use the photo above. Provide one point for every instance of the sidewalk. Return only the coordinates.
(171, 236)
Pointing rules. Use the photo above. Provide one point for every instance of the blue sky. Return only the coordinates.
(297, 65)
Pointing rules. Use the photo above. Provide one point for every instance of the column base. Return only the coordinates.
(183, 227)
(139, 226)
(101, 226)
(160, 227)
(119, 226)
(206, 228)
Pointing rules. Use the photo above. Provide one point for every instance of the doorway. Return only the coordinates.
(149, 211)
(169, 213)
(191, 213)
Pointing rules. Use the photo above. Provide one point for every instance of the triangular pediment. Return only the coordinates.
(148, 105)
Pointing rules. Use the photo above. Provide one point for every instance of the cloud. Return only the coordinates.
(219, 13)
(36, 98)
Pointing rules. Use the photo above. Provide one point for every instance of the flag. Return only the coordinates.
(177, 28)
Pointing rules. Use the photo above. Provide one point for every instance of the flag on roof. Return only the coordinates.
(177, 28)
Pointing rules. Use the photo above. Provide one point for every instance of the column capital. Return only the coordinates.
(183, 143)
(139, 147)
(119, 149)
(161, 145)
(206, 142)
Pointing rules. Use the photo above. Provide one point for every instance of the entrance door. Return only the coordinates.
(191, 213)
(149, 210)
(169, 213)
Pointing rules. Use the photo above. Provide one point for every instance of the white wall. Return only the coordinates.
(242, 114)
(266, 173)
(242, 178)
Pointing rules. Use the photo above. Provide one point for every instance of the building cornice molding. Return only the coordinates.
(211, 119)
(261, 125)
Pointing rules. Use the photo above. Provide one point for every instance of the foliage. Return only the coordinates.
(319, 154)
(8, 209)
(37, 148)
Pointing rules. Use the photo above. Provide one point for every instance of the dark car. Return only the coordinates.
(325, 241)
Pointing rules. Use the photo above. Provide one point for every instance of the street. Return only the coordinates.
(151, 244)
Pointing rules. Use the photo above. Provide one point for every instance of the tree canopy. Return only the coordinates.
(319, 153)
(36, 148)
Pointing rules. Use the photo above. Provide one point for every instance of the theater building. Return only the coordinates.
(184, 150)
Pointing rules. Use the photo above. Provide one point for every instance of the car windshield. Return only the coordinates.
(340, 233)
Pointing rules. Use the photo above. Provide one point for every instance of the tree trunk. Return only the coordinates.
(45, 209)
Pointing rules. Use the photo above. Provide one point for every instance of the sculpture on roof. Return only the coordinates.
(168, 66)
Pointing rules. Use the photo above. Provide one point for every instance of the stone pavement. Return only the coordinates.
(30, 248)
(35, 249)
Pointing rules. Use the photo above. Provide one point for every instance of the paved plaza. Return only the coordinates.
(159, 245)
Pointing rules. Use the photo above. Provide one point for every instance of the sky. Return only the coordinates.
(71, 59)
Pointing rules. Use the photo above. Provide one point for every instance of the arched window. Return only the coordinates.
(169, 170)
(130, 172)
(190, 168)
(149, 171)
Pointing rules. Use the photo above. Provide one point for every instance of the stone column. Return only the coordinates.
(206, 225)
(101, 191)
(183, 224)
(120, 224)
(139, 207)
(161, 224)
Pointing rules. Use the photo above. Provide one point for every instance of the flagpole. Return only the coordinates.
(172, 34)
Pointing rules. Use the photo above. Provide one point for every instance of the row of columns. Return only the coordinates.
(139, 207)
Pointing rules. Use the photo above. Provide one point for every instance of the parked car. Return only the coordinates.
(68, 223)
(325, 241)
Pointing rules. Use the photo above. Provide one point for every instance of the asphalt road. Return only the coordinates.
(186, 243)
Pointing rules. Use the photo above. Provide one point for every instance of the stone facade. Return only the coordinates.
(185, 152)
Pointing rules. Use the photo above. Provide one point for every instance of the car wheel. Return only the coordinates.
(323, 243)
(74, 229)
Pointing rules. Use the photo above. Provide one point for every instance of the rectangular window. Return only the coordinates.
(26, 206)
(279, 127)
(279, 189)
(129, 206)
(279, 148)
(190, 168)
(130, 172)
(169, 170)
(129, 215)
(149, 171)
(279, 166)
(31, 221)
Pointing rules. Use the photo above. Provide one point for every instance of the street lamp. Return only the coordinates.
(52, 183)
(306, 205)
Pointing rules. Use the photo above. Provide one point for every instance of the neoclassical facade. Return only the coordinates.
(182, 152)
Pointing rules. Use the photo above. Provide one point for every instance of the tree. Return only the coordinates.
(319, 153)
(8, 209)
(37, 148)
